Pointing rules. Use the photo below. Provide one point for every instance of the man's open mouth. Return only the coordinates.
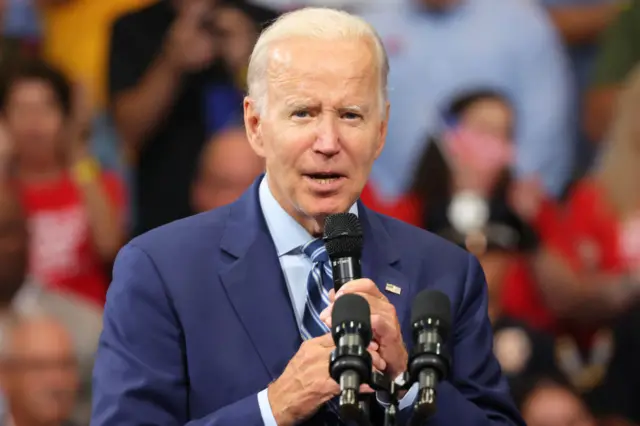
(324, 178)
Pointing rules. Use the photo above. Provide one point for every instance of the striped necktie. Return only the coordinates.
(319, 283)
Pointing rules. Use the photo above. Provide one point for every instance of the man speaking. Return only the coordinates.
(212, 320)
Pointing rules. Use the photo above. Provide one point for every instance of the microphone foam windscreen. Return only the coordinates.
(343, 235)
(352, 307)
(433, 304)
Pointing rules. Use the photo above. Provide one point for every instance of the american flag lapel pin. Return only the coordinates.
(392, 288)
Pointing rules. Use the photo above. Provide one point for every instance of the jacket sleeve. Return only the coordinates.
(140, 375)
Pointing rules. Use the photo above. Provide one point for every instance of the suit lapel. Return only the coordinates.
(255, 284)
(381, 262)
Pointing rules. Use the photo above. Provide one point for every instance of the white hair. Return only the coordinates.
(311, 22)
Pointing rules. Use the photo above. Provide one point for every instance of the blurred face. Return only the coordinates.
(322, 126)
(495, 265)
(40, 374)
(35, 121)
(183, 4)
(229, 166)
(439, 5)
(555, 406)
(13, 246)
(489, 117)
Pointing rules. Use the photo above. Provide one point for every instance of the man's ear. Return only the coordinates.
(252, 122)
(382, 133)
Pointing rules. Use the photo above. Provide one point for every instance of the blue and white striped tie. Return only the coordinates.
(319, 283)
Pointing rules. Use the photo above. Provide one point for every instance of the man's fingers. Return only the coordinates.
(326, 341)
(363, 285)
(332, 295)
(366, 389)
(326, 313)
(381, 327)
(373, 346)
(377, 361)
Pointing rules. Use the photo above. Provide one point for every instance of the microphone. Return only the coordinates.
(429, 361)
(343, 242)
(350, 363)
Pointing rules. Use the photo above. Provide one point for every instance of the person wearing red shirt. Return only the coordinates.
(590, 273)
(75, 210)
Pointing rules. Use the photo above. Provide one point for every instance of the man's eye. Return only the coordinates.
(301, 114)
(351, 116)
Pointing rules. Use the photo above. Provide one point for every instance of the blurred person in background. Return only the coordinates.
(22, 22)
(11, 49)
(75, 39)
(588, 274)
(593, 273)
(581, 23)
(228, 166)
(432, 60)
(75, 210)
(546, 402)
(521, 350)
(175, 71)
(24, 295)
(38, 372)
(473, 157)
(618, 53)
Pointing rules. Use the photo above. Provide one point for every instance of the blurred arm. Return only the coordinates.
(139, 375)
(581, 297)
(141, 97)
(103, 198)
(618, 53)
(570, 281)
(543, 103)
(581, 24)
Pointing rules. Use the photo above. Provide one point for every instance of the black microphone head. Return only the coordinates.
(351, 313)
(343, 235)
(433, 305)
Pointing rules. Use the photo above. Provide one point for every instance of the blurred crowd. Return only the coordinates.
(514, 133)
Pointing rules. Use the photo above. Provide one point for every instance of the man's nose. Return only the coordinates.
(327, 137)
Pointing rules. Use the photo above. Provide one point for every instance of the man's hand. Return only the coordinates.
(239, 34)
(189, 47)
(305, 384)
(384, 323)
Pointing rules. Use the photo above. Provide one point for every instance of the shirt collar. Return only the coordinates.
(287, 234)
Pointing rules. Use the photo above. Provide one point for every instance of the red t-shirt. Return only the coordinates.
(588, 237)
(520, 295)
(595, 239)
(407, 208)
(62, 255)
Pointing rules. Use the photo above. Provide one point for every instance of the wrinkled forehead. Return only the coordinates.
(328, 70)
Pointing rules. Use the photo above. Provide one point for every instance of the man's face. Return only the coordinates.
(35, 120)
(39, 374)
(555, 406)
(228, 167)
(322, 126)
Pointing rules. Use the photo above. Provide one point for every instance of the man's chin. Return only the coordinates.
(321, 208)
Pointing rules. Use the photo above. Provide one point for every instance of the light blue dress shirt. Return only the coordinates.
(510, 46)
(289, 236)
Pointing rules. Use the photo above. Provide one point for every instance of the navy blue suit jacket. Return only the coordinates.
(198, 320)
